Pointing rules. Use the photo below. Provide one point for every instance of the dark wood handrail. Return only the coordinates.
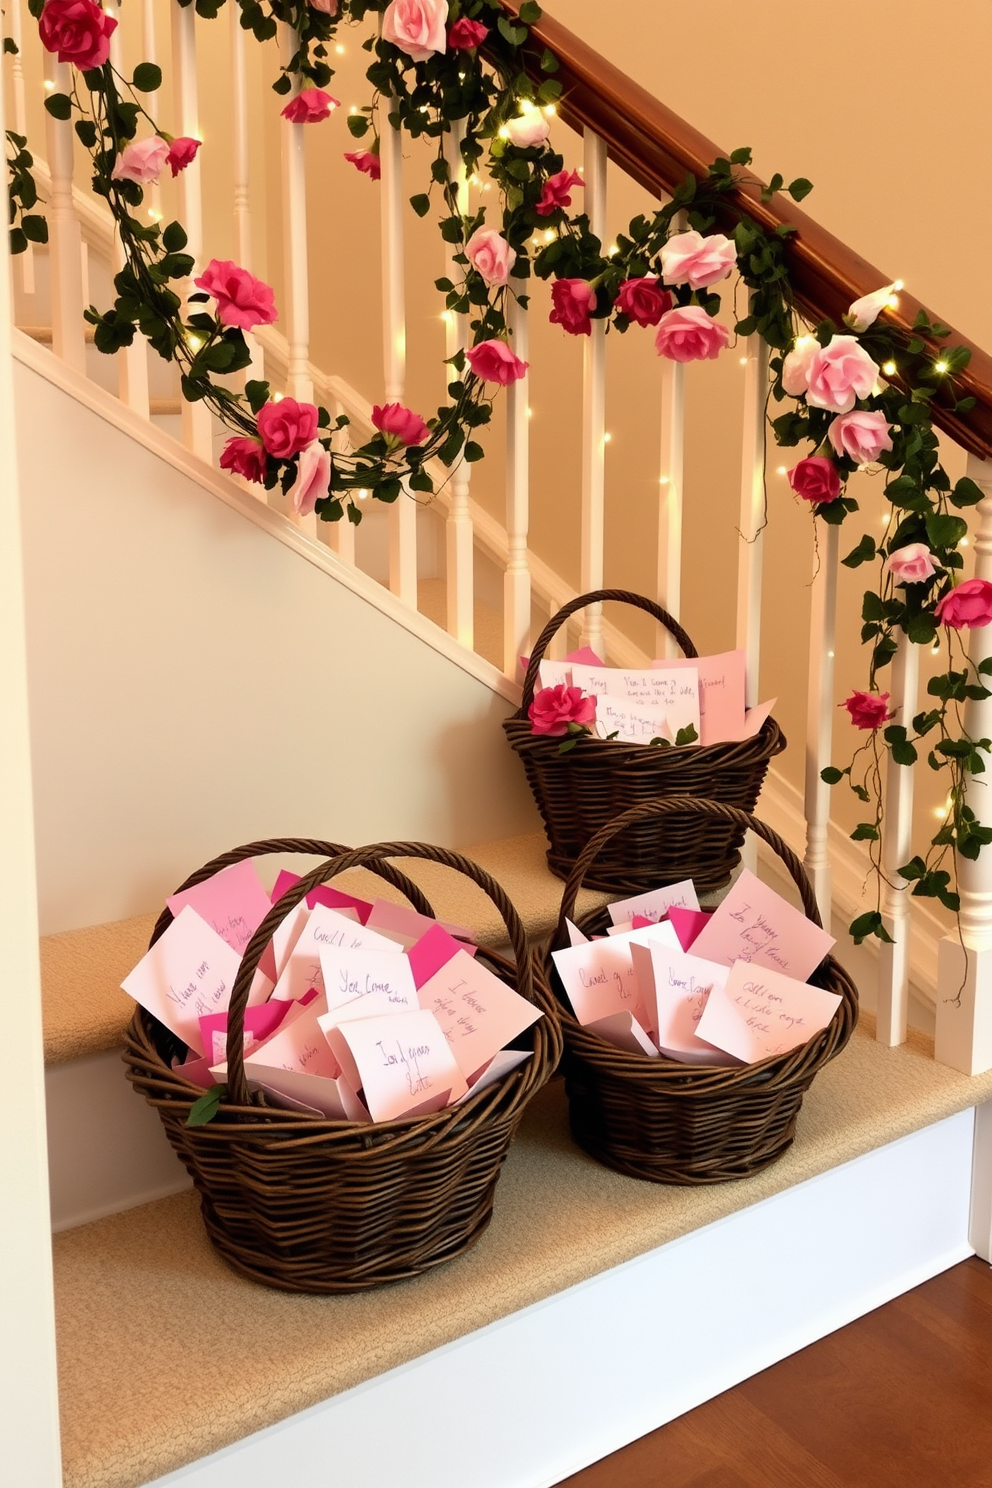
(658, 149)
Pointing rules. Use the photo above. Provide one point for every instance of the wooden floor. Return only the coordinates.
(901, 1398)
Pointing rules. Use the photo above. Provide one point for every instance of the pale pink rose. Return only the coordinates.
(78, 31)
(365, 161)
(557, 192)
(795, 368)
(182, 152)
(244, 457)
(400, 424)
(689, 258)
(529, 128)
(554, 708)
(310, 106)
(968, 607)
(839, 374)
(494, 361)
(329, 7)
(868, 710)
(688, 334)
(313, 477)
(141, 160)
(912, 564)
(242, 300)
(864, 312)
(285, 427)
(490, 255)
(860, 435)
(815, 479)
(417, 27)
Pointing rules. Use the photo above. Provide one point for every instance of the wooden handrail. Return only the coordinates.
(658, 149)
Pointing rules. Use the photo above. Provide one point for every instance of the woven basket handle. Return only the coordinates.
(683, 805)
(375, 858)
(596, 597)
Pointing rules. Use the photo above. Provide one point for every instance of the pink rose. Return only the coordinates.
(839, 374)
(494, 361)
(643, 301)
(688, 334)
(141, 160)
(400, 424)
(490, 255)
(285, 427)
(911, 564)
(554, 708)
(244, 457)
(864, 312)
(557, 192)
(466, 35)
(968, 607)
(417, 27)
(182, 152)
(78, 30)
(868, 710)
(242, 300)
(310, 106)
(815, 479)
(529, 128)
(689, 258)
(860, 435)
(313, 477)
(795, 368)
(366, 162)
(329, 7)
(573, 300)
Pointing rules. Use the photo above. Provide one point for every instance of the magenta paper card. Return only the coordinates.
(760, 1013)
(623, 1030)
(721, 694)
(755, 924)
(584, 656)
(632, 722)
(676, 987)
(688, 923)
(503, 1063)
(322, 894)
(352, 975)
(233, 902)
(260, 1024)
(188, 973)
(433, 950)
(672, 689)
(656, 903)
(401, 1063)
(325, 927)
(478, 1013)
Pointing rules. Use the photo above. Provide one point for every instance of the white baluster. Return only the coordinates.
(403, 513)
(65, 247)
(459, 534)
(149, 53)
(24, 260)
(132, 361)
(964, 976)
(594, 410)
(516, 581)
(197, 426)
(296, 311)
(670, 498)
(820, 716)
(893, 962)
(339, 536)
(242, 198)
(752, 512)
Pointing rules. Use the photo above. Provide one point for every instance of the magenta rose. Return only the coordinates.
(285, 427)
(554, 708)
(860, 435)
(815, 479)
(400, 424)
(141, 160)
(838, 374)
(490, 255)
(310, 106)
(968, 607)
(688, 334)
(242, 300)
(574, 301)
(912, 564)
(313, 478)
(557, 192)
(365, 161)
(417, 27)
(329, 7)
(643, 301)
(689, 258)
(494, 361)
(78, 31)
(182, 152)
(244, 457)
(868, 710)
(466, 35)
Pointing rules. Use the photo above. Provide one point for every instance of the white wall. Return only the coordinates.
(195, 684)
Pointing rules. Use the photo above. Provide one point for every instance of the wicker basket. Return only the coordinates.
(312, 1205)
(579, 792)
(679, 1123)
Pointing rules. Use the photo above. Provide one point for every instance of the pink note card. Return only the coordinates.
(754, 719)
(503, 1063)
(760, 1013)
(599, 978)
(325, 927)
(721, 693)
(656, 903)
(674, 690)
(188, 973)
(233, 902)
(401, 1063)
(299, 1044)
(632, 722)
(478, 1013)
(755, 924)
(260, 1024)
(315, 1094)
(676, 987)
(688, 923)
(623, 1030)
(433, 950)
(323, 894)
(354, 975)
(279, 949)
(406, 926)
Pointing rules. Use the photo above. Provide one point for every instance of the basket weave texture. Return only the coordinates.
(312, 1205)
(601, 779)
(678, 1123)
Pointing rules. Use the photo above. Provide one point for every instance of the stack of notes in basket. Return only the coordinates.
(685, 701)
(358, 1011)
(724, 987)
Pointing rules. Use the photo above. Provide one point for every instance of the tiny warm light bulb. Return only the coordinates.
(194, 340)
(154, 215)
(447, 317)
(550, 110)
(801, 342)
(889, 368)
(613, 250)
(941, 366)
(663, 480)
(743, 361)
(607, 438)
(898, 286)
(963, 543)
(353, 109)
(830, 656)
(893, 302)
(339, 49)
(549, 235)
(49, 85)
(782, 470)
(278, 397)
(504, 133)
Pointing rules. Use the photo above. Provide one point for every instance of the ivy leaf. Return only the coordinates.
(831, 775)
(865, 552)
(800, 188)
(358, 124)
(869, 924)
(206, 1108)
(944, 530)
(686, 735)
(147, 77)
(35, 228)
(86, 133)
(421, 204)
(474, 452)
(966, 492)
(59, 105)
(864, 832)
(530, 12)
(549, 62)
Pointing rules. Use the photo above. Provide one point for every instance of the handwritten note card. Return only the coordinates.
(260, 1024)
(676, 690)
(501, 1064)
(433, 950)
(188, 973)
(352, 975)
(676, 988)
(325, 927)
(632, 722)
(401, 1063)
(478, 1013)
(721, 693)
(299, 1044)
(322, 894)
(233, 902)
(759, 1013)
(755, 924)
(623, 1030)
(656, 903)
(599, 979)
(554, 674)
(688, 924)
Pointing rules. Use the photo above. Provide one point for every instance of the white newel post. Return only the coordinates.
(516, 580)
(594, 412)
(242, 196)
(820, 716)
(197, 425)
(459, 534)
(749, 553)
(670, 499)
(403, 512)
(892, 1019)
(964, 975)
(65, 244)
(296, 312)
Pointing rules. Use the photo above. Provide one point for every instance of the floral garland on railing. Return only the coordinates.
(660, 275)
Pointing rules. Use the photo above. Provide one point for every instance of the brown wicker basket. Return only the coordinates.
(679, 1123)
(312, 1205)
(579, 792)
